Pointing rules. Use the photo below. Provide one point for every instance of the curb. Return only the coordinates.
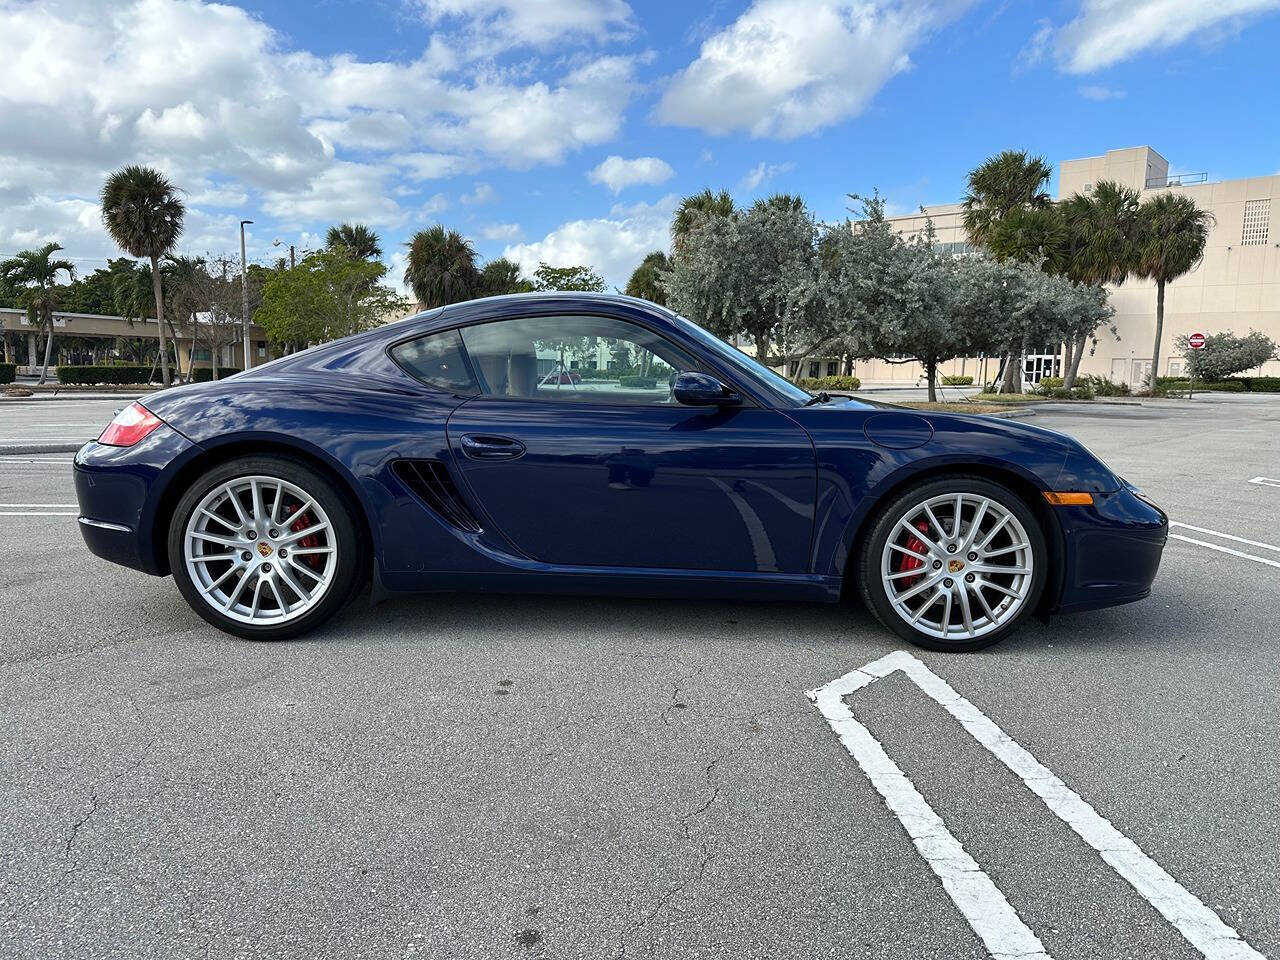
(19, 448)
(1010, 414)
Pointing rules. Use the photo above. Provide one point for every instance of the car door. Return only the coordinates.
(576, 450)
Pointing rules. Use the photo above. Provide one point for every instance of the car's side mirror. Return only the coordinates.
(703, 390)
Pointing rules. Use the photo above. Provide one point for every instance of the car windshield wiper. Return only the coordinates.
(819, 397)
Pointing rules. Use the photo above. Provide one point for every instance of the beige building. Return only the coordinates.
(1236, 287)
(84, 337)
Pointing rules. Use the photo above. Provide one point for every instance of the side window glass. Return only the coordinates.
(437, 360)
(574, 359)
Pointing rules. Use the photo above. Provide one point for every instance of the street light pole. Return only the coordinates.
(244, 293)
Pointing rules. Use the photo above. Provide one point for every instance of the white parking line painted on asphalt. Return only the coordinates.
(46, 506)
(981, 902)
(1224, 549)
(1266, 481)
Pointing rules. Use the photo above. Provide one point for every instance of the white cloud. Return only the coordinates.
(617, 174)
(429, 166)
(762, 173)
(496, 25)
(212, 95)
(344, 191)
(483, 193)
(788, 67)
(1101, 93)
(1107, 32)
(500, 231)
(614, 245)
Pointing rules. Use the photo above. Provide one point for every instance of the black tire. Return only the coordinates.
(874, 592)
(350, 564)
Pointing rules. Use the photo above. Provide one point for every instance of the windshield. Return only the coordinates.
(741, 362)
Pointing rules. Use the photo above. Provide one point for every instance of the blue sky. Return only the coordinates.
(565, 130)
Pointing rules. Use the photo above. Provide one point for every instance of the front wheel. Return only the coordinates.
(264, 548)
(954, 563)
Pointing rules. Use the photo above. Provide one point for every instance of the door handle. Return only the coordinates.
(478, 447)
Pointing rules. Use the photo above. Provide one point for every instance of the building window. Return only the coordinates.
(813, 369)
(833, 367)
(1257, 217)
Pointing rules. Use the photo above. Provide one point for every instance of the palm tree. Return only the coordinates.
(503, 276)
(441, 268)
(646, 279)
(35, 273)
(1101, 247)
(1035, 235)
(359, 241)
(1172, 238)
(143, 214)
(1011, 180)
(1008, 181)
(693, 208)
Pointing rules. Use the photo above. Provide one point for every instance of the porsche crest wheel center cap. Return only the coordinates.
(955, 566)
(264, 549)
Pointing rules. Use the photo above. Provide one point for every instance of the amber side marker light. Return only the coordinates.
(1069, 499)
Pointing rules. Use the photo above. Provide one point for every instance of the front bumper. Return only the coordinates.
(1113, 550)
(120, 490)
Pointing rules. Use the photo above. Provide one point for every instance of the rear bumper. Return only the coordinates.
(119, 490)
(1113, 550)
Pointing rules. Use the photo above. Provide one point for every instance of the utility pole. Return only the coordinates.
(244, 293)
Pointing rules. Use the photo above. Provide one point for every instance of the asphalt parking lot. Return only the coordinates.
(548, 777)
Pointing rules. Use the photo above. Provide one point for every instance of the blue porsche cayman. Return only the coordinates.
(575, 443)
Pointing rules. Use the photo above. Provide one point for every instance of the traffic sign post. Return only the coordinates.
(1195, 342)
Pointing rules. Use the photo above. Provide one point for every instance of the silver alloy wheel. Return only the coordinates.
(260, 550)
(957, 566)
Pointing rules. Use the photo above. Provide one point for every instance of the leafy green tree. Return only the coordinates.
(34, 274)
(143, 214)
(1172, 237)
(693, 209)
(441, 268)
(646, 279)
(756, 274)
(1224, 354)
(358, 240)
(579, 278)
(503, 276)
(187, 281)
(328, 295)
(904, 302)
(1011, 180)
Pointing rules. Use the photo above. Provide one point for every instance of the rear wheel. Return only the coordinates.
(264, 548)
(954, 563)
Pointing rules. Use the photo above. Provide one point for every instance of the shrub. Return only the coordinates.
(639, 383)
(204, 374)
(1261, 384)
(7, 372)
(957, 381)
(1104, 387)
(830, 383)
(102, 373)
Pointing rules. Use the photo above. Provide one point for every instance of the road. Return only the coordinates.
(546, 777)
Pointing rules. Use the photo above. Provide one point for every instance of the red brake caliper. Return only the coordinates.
(909, 562)
(301, 522)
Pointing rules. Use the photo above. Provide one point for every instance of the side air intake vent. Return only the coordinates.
(430, 480)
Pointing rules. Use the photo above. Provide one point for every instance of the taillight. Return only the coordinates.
(130, 425)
